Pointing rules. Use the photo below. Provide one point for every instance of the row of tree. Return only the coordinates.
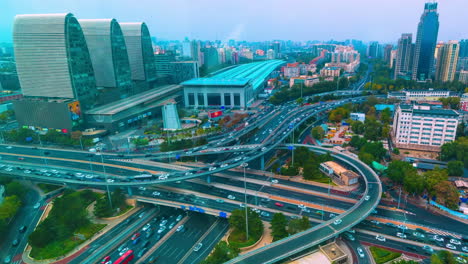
(281, 227)
(309, 161)
(237, 222)
(434, 182)
(103, 207)
(456, 151)
(289, 94)
(28, 136)
(182, 144)
(14, 195)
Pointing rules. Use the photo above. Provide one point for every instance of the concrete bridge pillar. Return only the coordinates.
(129, 191)
(262, 162)
(208, 179)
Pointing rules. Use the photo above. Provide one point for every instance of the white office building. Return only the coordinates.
(423, 127)
(421, 95)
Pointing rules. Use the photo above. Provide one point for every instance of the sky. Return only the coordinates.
(256, 20)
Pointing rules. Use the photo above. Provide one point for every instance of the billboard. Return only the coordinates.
(75, 110)
(215, 114)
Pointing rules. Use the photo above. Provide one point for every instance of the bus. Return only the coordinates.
(125, 258)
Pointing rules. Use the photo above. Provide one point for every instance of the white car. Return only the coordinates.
(465, 249)
(301, 206)
(123, 251)
(161, 229)
(180, 228)
(224, 165)
(403, 227)
(179, 217)
(163, 177)
(337, 221)
(231, 197)
(155, 193)
(455, 242)
(380, 238)
(360, 252)
(146, 227)
(142, 188)
(163, 222)
(438, 238)
(188, 173)
(274, 181)
(27, 171)
(450, 246)
(265, 214)
(367, 198)
(110, 180)
(37, 205)
(212, 168)
(9, 147)
(401, 235)
(264, 148)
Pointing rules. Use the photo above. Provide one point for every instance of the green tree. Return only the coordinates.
(222, 253)
(435, 177)
(102, 207)
(298, 225)
(278, 226)
(15, 188)
(455, 168)
(366, 157)
(140, 142)
(447, 194)
(318, 132)
(397, 170)
(372, 129)
(396, 151)
(413, 183)
(358, 127)
(357, 142)
(9, 207)
(386, 115)
(375, 148)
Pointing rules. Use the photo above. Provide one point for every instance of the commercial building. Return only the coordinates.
(463, 76)
(338, 173)
(447, 59)
(426, 39)
(421, 95)
(404, 56)
(109, 58)
(463, 55)
(236, 87)
(163, 64)
(183, 71)
(423, 127)
(307, 81)
(52, 58)
(291, 70)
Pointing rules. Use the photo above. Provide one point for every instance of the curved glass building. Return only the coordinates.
(109, 57)
(140, 51)
(52, 58)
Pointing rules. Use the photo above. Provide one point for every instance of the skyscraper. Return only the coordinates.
(404, 56)
(447, 58)
(387, 53)
(109, 57)
(463, 55)
(373, 49)
(426, 39)
(187, 48)
(52, 58)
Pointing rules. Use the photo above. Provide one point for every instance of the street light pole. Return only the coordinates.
(107, 185)
(399, 196)
(244, 165)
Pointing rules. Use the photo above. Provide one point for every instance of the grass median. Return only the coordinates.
(381, 255)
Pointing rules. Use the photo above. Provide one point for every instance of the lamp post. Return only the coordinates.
(107, 185)
(244, 165)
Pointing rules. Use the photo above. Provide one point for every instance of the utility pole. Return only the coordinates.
(244, 165)
(399, 196)
(107, 185)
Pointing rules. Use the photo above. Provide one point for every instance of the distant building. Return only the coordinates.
(210, 57)
(426, 39)
(387, 53)
(307, 81)
(163, 64)
(358, 117)
(447, 59)
(338, 173)
(423, 127)
(330, 72)
(373, 50)
(187, 48)
(463, 76)
(292, 70)
(464, 102)
(404, 56)
(271, 54)
(9, 81)
(421, 95)
(182, 71)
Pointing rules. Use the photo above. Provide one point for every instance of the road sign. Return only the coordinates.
(192, 208)
(223, 214)
(177, 156)
(200, 210)
(290, 147)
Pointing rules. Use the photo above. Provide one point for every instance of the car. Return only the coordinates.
(15, 242)
(180, 228)
(224, 165)
(375, 222)
(105, 259)
(123, 251)
(163, 222)
(428, 249)
(188, 173)
(142, 252)
(263, 149)
(360, 252)
(212, 168)
(279, 204)
(22, 229)
(231, 197)
(7, 259)
(461, 260)
(380, 238)
(417, 234)
(450, 246)
(142, 188)
(135, 236)
(110, 180)
(274, 181)
(238, 158)
(401, 235)
(455, 242)
(219, 200)
(163, 177)
(301, 206)
(171, 225)
(337, 221)
(161, 229)
(156, 193)
(197, 247)
(146, 227)
(465, 249)
(265, 214)
(349, 236)
(438, 238)
(27, 171)
(242, 205)
(367, 198)
(403, 227)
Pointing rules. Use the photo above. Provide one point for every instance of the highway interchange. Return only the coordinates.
(274, 127)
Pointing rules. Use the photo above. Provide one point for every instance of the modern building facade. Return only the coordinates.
(52, 58)
(374, 50)
(423, 127)
(387, 53)
(426, 39)
(140, 51)
(109, 57)
(447, 59)
(184, 70)
(463, 76)
(404, 57)
(421, 95)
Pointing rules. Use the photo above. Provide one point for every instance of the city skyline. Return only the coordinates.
(364, 19)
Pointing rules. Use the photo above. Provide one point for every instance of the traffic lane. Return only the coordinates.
(354, 245)
(174, 248)
(168, 214)
(209, 243)
(397, 245)
(26, 216)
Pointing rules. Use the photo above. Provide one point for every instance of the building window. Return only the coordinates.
(214, 98)
(237, 99)
(227, 99)
(191, 99)
(416, 123)
(201, 99)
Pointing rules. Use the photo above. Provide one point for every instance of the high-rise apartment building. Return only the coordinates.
(52, 58)
(463, 56)
(373, 50)
(404, 56)
(447, 59)
(187, 48)
(387, 52)
(426, 40)
(109, 57)
(210, 57)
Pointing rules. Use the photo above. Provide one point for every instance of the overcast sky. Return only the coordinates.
(256, 20)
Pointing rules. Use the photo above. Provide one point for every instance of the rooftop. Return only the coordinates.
(129, 102)
(431, 111)
(255, 73)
